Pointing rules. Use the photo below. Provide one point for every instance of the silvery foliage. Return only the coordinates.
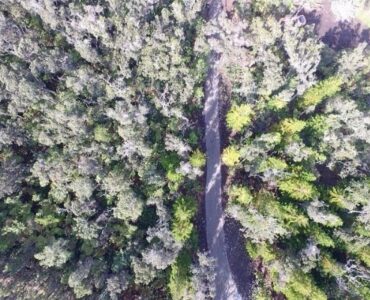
(309, 256)
(86, 230)
(133, 129)
(144, 273)
(76, 279)
(230, 40)
(354, 276)
(353, 62)
(303, 50)
(163, 248)
(256, 227)
(116, 284)
(204, 277)
(174, 143)
(352, 241)
(317, 212)
(297, 151)
(355, 195)
(348, 126)
(54, 255)
(12, 173)
(345, 10)
(257, 150)
(128, 208)
(188, 170)
(364, 216)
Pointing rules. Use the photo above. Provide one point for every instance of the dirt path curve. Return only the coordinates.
(226, 288)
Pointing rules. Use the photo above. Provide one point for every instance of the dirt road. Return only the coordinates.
(225, 285)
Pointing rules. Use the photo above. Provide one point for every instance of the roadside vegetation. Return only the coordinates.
(298, 156)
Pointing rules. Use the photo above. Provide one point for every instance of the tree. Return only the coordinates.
(54, 255)
(291, 126)
(303, 49)
(230, 156)
(184, 210)
(101, 134)
(128, 207)
(269, 228)
(180, 280)
(239, 194)
(197, 159)
(204, 278)
(324, 89)
(301, 286)
(239, 116)
(297, 189)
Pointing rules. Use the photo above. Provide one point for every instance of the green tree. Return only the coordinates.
(239, 116)
(230, 156)
(262, 250)
(183, 212)
(302, 286)
(240, 195)
(291, 126)
(179, 283)
(54, 255)
(197, 159)
(324, 89)
(297, 189)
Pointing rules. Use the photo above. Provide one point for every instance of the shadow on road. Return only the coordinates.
(240, 264)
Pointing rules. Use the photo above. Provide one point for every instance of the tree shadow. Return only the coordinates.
(312, 17)
(344, 35)
(337, 35)
(240, 264)
(365, 36)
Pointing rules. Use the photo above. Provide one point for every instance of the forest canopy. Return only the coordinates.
(103, 159)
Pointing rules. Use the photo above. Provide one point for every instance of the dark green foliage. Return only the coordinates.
(180, 277)
(89, 92)
(183, 212)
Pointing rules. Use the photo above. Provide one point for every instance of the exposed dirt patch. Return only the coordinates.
(228, 5)
(335, 33)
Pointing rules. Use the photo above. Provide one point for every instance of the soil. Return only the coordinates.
(337, 34)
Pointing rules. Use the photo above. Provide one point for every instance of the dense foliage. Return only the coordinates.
(101, 149)
(99, 146)
(299, 164)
